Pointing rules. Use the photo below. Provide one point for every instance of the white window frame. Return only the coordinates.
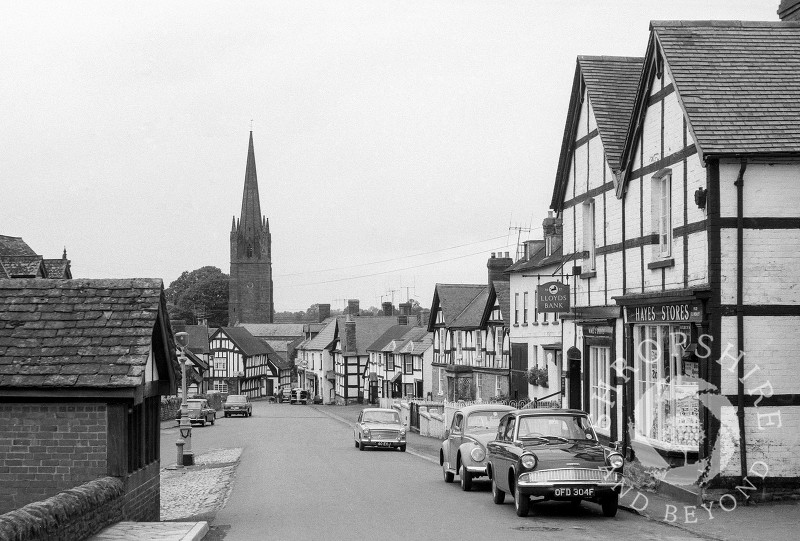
(516, 308)
(589, 234)
(662, 184)
(525, 308)
(599, 389)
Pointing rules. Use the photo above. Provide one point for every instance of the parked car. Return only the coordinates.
(552, 454)
(237, 404)
(463, 451)
(379, 427)
(284, 393)
(199, 411)
(300, 396)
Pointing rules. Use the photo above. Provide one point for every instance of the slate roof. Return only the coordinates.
(611, 83)
(455, 298)
(249, 344)
(789, 9)
(416, 341)
(539, 260)
(738, 82)
(14, 246)
(57, 268)
(80, 333)
(269, 330)
(23, 266)
(324, 338)
(396, 332)
(472, 314)
(502, 291)
(368, 329)
(198, 337)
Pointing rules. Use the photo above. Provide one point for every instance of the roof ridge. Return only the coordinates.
(611, 58)
(725, 23)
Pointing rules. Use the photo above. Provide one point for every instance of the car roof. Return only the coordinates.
(195, 399)
(551, 411)
(466, 410)
(378, 409)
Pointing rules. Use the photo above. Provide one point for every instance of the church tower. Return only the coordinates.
(250, 294)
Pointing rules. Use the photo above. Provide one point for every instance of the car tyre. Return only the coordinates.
(356, 442)
(448, 475)
(212, 420)
(498, 496)
(202, 422)
(402, 448)
(610, 505)
(466, 479)
(361, 445)
(522, 503)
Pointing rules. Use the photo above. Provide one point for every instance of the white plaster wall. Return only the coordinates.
(770, 189)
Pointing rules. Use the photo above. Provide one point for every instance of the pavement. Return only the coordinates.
(191, 496)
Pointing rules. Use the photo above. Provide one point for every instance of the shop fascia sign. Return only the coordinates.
(552, 297)
(662, 313)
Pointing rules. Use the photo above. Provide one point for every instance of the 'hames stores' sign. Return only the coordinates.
(552, 297)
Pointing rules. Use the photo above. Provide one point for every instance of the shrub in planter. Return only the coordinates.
(538, 376)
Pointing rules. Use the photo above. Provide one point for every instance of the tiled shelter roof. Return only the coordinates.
(81, 333)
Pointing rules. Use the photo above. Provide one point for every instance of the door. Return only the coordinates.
(269, 387)
(575, 384)
(518, 386)
(456, 435)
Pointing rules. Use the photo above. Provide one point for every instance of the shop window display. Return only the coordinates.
(666, 387)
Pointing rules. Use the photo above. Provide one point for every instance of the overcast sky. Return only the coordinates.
(395, 142)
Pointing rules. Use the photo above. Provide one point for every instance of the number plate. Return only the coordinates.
(573, 492)
(384, 444)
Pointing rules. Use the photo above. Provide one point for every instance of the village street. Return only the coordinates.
(300, 477)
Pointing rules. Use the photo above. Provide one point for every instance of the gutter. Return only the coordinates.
(740, 315)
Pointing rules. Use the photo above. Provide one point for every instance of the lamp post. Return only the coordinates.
(184, 443)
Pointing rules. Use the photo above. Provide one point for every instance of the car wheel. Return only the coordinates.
(361, 445)
(466, 478)
(498, 496)
(448, 475)
(522, 503)
(212, 420)
(227, 415)
(202, 422)
(356, 442)
(402, 448)
(610, 505)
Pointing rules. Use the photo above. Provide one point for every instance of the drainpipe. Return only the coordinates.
(740, 314)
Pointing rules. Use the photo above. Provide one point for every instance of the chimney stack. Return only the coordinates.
(405, 308)
(350, 335)
(352, 307)
(497, 266)
(387, 308)
(324, 311)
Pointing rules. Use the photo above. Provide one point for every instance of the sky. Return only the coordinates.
(398, 143)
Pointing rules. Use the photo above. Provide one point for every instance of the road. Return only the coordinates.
(301, 477)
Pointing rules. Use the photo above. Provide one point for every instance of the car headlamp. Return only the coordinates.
(403, 431)
(366, 432)
(615, 460)
(477, 454)
(528, 461)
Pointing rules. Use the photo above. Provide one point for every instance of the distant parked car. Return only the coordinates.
(463, 451)
(284, 393)
(199, 411)
(300, 396)
(379, 427)
(237, 404)
(553, 454)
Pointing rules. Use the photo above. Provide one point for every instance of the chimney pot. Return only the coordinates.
(352, 307)
(324, 311)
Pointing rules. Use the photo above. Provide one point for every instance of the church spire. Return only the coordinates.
(251, 206)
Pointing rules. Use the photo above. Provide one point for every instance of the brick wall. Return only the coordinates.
(47, 448)
(142, 499)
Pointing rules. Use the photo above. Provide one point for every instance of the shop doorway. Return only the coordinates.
(574, 375)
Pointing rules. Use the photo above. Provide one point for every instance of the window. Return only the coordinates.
(663, 208)
(516, 308)
(408, 364)
(219, 360)
(525, 308)
(458, 424)
(667, 406)
(417, 361)
(390, 362)
(589, 244)
(599, 387)
(220, 386)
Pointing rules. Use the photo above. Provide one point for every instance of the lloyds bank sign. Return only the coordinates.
(552, 297)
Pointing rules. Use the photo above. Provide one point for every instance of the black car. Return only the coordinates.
(552, 454)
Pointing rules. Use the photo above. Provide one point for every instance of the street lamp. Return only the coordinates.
(184, 444)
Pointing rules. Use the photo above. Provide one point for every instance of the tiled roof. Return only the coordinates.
(455, 298)
(249, 344)
(472, 314)
(268, 330)
(22, 266)
(394, 333)
(14, 246)
(415, 341)
(79, 333)
(324, 338)
(738, 81)
(279, 346)
(368, 329)
(789, 10)
(502, 290)
(611, 83)
(539, 259)
(57, 268)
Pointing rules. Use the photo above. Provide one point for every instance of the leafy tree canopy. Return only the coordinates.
(201, 291)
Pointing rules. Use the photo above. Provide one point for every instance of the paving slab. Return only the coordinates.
(154, 531)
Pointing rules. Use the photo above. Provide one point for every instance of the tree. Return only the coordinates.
(201, 291)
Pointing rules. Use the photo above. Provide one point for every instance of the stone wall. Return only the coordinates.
(73, 514)
(47, 448)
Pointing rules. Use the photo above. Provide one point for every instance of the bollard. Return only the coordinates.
(179, 462)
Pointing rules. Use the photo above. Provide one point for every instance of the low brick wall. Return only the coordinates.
(73, 514)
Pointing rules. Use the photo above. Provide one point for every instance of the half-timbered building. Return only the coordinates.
(243, 364)
(710, 244)
(594, 241)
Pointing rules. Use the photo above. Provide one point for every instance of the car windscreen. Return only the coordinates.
(238, 399)
(555, 428)
(195, 405)
(387, 417)
(483, 421)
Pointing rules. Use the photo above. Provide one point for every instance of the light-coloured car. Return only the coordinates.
(237, 404)
(199, 411)
(463, 451)
(379, 427)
